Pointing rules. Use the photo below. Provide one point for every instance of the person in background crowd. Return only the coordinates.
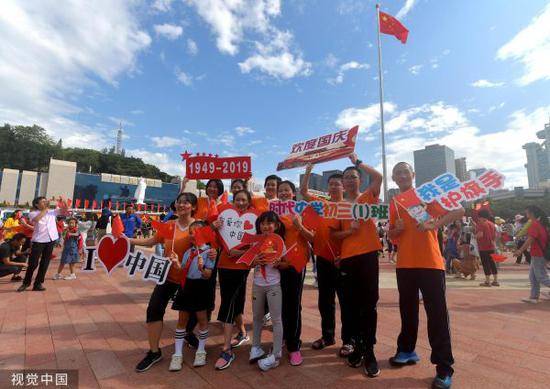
(237, 185)
(420, 267)
(327, 251)
(130, 221)
(28, 229)
(486, 235)
(537, 241)
(102, 223)
(450, 251)
(521, 226)
(12, 260)
(11, 225)
(43, 240)
(73, 248)
(359, 267)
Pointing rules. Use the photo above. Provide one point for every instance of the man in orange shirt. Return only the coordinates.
(420, 266)
(327, 250)
(359, 267)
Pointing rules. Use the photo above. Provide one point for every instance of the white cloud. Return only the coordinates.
(415, 69)
(49, 54)
(486, 84)
(409, 4)
(273, 52)
(163, 161)
(495, 107)
(162, 5)
(184, 78)
(168, 141)
(531, 47)
(331, 60)
(168, 31)
(136, 112)
(365, 118)
(244, 130)
(121, 121)
(192, 47)
(352, 65)
(416, 127)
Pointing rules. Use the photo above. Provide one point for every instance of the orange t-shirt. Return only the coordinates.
(323, 245)
(296, 244)
(365, 240)
(261, 204)
(180, 245)
(416, 249)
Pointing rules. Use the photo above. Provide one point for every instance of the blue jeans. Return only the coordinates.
(538, 276)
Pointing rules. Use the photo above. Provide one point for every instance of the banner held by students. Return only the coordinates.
(209, 166)
(322, 149)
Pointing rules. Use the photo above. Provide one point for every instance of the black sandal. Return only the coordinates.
(320, 344)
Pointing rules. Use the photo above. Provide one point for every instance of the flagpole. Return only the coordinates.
(380, 80)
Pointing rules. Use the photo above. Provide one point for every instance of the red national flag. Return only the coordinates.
(86, 204)
(117, 228)
(223, 199)
(77, 203)
(205, 235)
(94, 204)
(164, 230)
(212, 211)
(391, 26)
(69, 202)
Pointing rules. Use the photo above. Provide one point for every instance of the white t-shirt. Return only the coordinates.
(272, 276)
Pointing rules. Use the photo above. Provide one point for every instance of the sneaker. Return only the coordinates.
(440, 382)
(370, 365)
(403, 358)
(495, 283)
(176, 363)
(267, 319)
(225, 360)
(546, 295)
(270, 362)
(256, 353)
(345, 350)
(38, 288)
(150, 359)
(57, 276)
(355, 358)
(486, 284)
(71, 276)
(22, 287)
(530, 300)
(296, 358)
(320, 343)
(239, 340)
(200, 359)
(16, 279)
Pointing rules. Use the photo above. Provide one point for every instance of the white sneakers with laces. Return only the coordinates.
(71, 276)
(255, 354)
(176, 363)
(269, 362)
(200, 359)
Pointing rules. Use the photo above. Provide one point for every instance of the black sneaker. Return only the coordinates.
(239, 340)
(192, 340)
(150, 359)
(22, 287)
(355, 358)
(371, 365)
(38, 288)
(16, 278)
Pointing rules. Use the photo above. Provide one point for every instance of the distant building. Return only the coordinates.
(319, 182)
(461, 170)
(475, 173)
(538, 159)
(433, 161)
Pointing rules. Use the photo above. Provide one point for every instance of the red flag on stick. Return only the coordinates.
(212, 211)
(117, 228)
(164, 230)
(86, 204)
(391, 26)
(77, 203)
(94, 204)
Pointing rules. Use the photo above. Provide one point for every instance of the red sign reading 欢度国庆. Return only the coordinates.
(208, 167)
(324, 148)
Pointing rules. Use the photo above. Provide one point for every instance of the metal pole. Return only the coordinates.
(380, 80)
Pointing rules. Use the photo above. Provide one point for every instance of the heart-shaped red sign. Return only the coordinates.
(248, 225)
(112, 251)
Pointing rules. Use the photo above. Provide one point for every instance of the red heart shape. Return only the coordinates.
(248, 225)
(111, 252)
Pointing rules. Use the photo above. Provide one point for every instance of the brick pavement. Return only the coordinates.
(96, 324)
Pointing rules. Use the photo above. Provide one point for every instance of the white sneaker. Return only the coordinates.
(530, 300)
(270, 362)
(200, 359)
(255, 354)
(315, 284)
(71, 276)
(176, 362)
(57, 276)
(267, 319)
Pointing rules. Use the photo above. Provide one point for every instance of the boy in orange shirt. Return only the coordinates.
(420, 266)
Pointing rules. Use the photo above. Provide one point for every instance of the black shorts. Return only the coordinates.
(233, 293)
(194, 297)
(159, 301)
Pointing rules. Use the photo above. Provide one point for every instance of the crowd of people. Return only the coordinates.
(347, 266)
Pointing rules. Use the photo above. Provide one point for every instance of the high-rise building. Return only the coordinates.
(461, 170)
(433, 161)
(315, 181)
(118, 147)
(475, 173)
(538, 159)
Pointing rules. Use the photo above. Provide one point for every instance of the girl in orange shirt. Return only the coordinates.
(293, 271)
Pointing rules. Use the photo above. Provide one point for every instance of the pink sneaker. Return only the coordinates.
(296, 358)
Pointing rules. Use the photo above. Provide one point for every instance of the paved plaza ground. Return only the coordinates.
(96, 324)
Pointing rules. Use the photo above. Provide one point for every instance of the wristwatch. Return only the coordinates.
(358, 162)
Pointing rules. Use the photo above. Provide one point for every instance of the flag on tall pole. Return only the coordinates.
(386, 24)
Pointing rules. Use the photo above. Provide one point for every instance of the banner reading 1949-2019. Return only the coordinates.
(324, 148)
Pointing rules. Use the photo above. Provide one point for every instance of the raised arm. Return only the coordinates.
(304, 185)
(375, 176)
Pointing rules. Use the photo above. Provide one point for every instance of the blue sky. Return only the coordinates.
(253, 76)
